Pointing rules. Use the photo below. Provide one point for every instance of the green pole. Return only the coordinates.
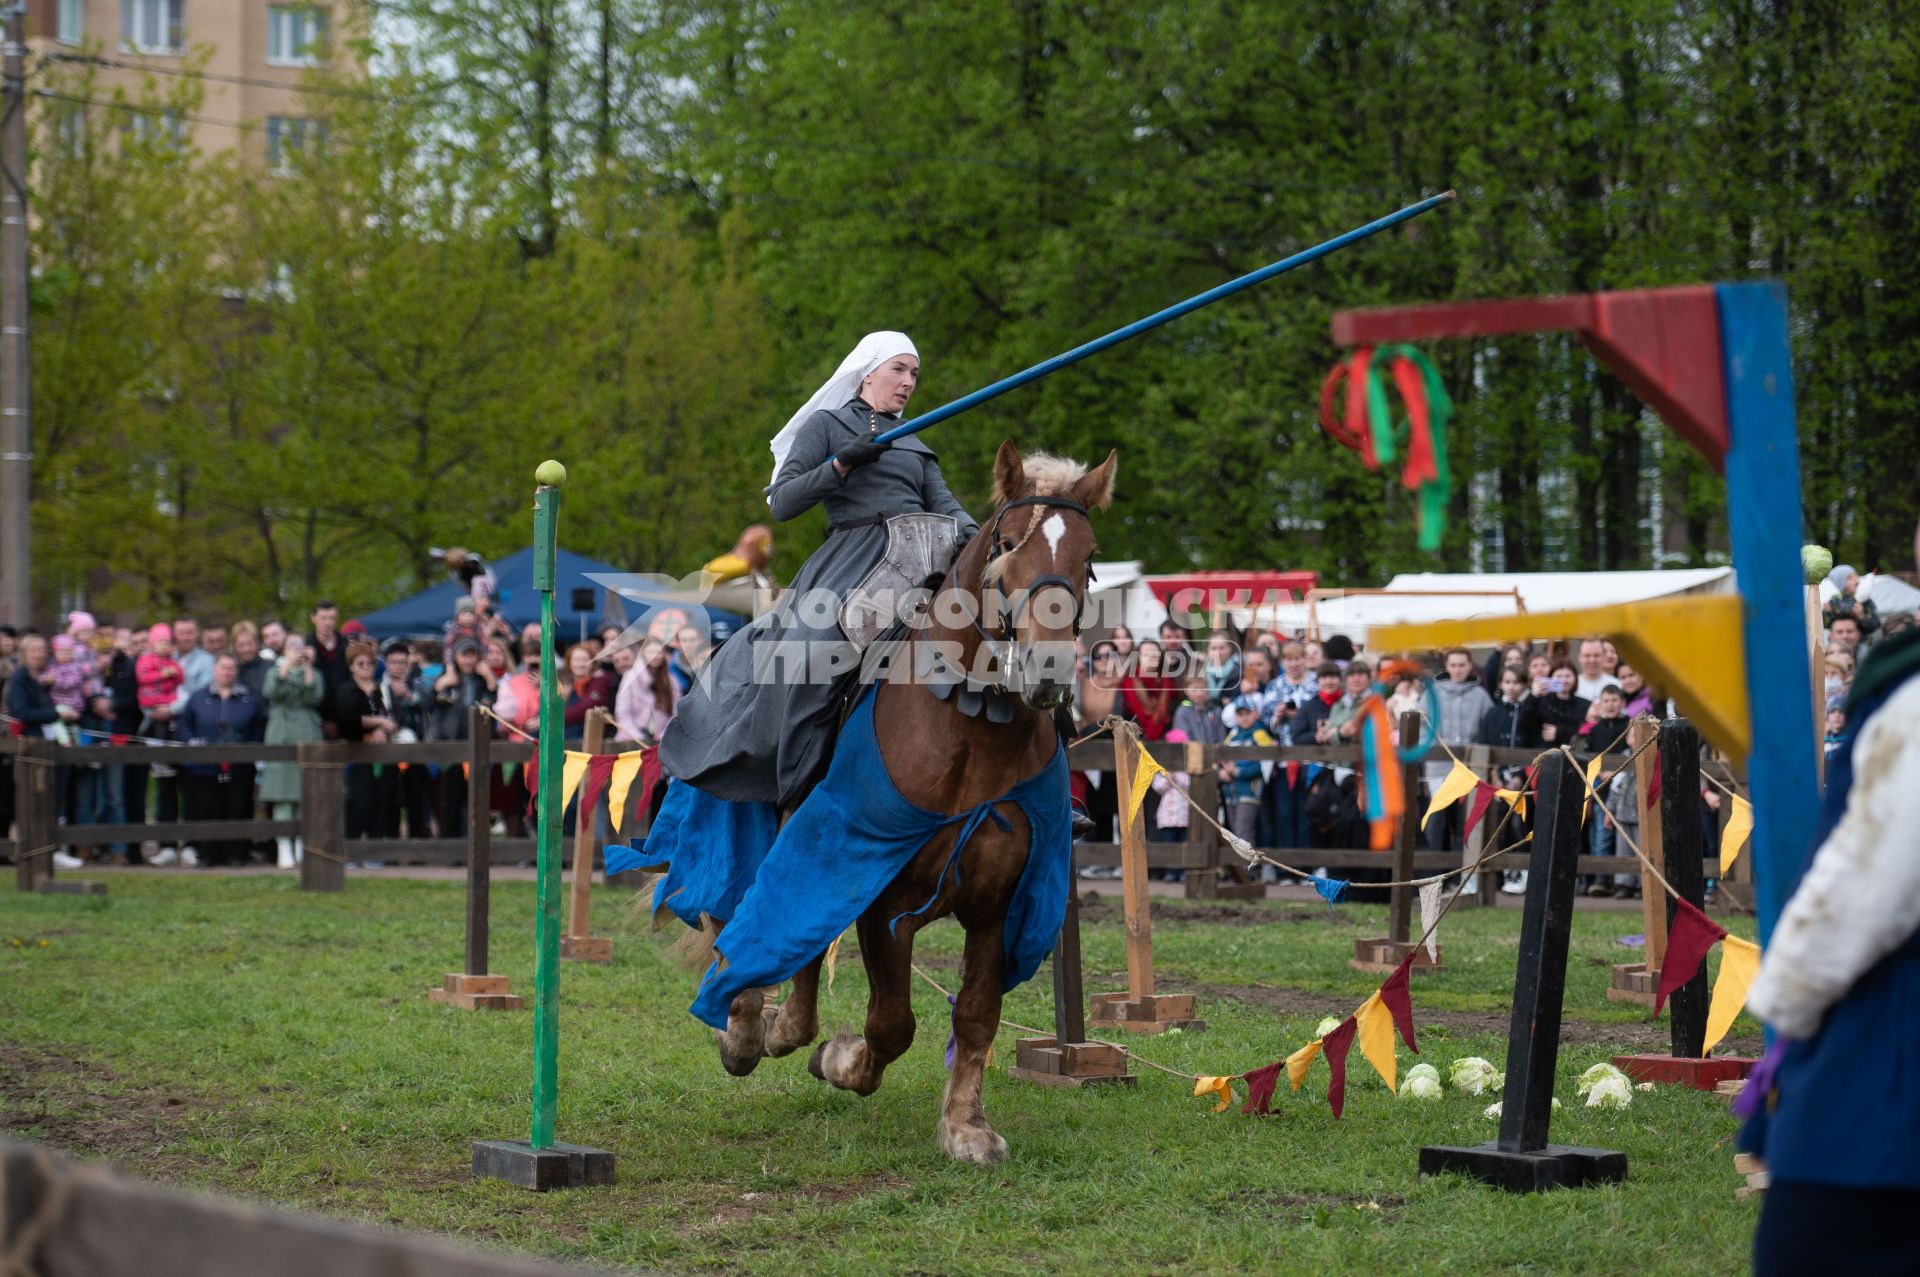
(550, 759)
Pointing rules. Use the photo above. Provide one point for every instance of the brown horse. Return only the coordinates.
(1036, 550)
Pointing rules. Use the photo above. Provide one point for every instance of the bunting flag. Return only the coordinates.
(1143, 769)
(1293, 773)
(625, 768)
(1332, 890)
(1260, 1084)
(1386, 797)
(1593, 777)
(1335, 1046)
(599, 772)
(1429, 915)
(1298, 1063)
(1397, 996)
(1514, 798)
(1483, 796)
(466, 771)
(572, 770)
(1692, 935)
(1653, 784)
(1739, 963)
(1459, 783)
(1734, 836)
(1373, 1029)
(506, 773)
(1221, 1086)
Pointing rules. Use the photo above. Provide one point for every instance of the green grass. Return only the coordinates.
(237, 1035)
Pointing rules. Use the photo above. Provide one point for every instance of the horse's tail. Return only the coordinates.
(693, 947)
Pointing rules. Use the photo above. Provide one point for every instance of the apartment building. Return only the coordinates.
(260, 48)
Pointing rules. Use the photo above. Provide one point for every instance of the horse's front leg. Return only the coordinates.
(796, 1022)
(964, 1133)
(857, 1063)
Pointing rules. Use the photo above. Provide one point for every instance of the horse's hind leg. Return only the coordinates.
(857, 1063)
(743, 1042)
(796, 1022)
(964, 1133)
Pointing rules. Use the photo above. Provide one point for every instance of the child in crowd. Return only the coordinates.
(1836, 726)
(159, 677)
(1241, 779)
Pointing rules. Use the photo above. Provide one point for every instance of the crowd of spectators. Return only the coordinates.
(185, 682)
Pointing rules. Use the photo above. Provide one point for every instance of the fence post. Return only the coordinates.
(1405, 839)
(1203, 791)
(35, 812)
(1685, 846)
(579, 943)
(1522, 1160)
(1480, 758)
(1636, 981)
(323, 815)
(479, 836)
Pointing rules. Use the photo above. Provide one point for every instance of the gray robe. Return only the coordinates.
(768, 738)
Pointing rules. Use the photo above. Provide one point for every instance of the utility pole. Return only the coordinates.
(16, 436)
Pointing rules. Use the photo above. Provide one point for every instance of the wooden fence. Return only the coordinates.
(1211, 869)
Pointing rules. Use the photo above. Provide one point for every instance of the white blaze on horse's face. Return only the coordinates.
(1053, 529)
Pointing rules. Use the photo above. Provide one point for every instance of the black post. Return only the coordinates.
(1069, 994)
(1685, 844)
(1522, 1160)
(479, 838)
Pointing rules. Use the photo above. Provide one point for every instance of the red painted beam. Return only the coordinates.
(1664, 343)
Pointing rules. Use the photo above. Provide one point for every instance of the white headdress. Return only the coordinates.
(874, 349)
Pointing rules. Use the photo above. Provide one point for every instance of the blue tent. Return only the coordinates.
(426, 614)
(580, 605)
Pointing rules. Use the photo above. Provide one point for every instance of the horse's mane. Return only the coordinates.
(1046, 475)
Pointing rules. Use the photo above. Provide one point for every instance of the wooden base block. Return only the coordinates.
(1048, 1063)
(1153, 1013)
(69, 887)
(1383, 955)
(1632, 982)
(586, 948)
(542, 1169)
(475, 993)
(1700, 1075)
(1534, 1171)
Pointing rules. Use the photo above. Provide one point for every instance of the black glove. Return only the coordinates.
(863, 453)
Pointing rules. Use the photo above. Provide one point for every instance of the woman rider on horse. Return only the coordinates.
(759, 724)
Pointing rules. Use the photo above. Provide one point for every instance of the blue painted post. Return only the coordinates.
(1763, 511)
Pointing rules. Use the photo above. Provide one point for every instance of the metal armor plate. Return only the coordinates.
(918, 546)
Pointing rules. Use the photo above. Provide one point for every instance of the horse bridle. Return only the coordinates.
(1011, 616)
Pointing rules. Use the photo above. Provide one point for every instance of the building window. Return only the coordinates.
(151, 26)
(158, 128)
(295, 35)
(70, 26)
(287, 135)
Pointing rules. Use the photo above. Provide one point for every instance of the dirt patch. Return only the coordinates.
(1095, 907)
(1626, 1035)
(853, 1188)
(1313, 1208)
(80, 1106)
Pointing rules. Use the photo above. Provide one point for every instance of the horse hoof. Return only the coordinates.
(738, 1066)
(813, 1062)
(979, 1144)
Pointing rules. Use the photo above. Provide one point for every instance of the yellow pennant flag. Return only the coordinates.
(570, 774)
(1739, 963)
(1374, 1035)
(625, 768)
(1459, 783)
(1298, 1062)
(1593, 777)
(1515, 799)
(1221, 1086)
(1734, 836)
(1143, 769)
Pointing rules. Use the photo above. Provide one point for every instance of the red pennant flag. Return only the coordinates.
(650, 776)
(1397, 996)
(1293, 774)
(1653, 786)
(119, 738)
(1260, 1084)
(599, 773)
(1334, 1046)
(1692, 935)
(1482, 799)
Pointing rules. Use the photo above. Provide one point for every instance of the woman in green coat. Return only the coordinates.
(293, 690)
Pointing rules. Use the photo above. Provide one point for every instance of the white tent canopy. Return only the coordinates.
(1445, 596)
